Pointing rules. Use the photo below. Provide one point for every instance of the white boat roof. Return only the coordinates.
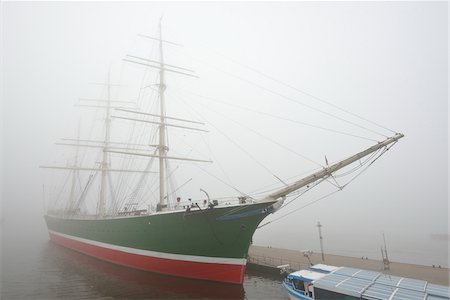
(307, 275)
(367, 284)
(323, 268)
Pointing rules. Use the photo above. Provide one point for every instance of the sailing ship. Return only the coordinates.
(206, 239)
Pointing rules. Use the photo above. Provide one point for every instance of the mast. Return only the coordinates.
(104, 166)
(162, 148)
(74, 175)
(325, 172)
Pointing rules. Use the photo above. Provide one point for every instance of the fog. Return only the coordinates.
(386, 62)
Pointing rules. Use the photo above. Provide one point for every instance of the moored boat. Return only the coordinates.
(209, 243)
(330, 282)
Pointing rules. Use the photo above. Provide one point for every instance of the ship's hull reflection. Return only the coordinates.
(120, 282)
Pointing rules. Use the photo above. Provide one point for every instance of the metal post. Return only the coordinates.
(386, 262)
(319, 226)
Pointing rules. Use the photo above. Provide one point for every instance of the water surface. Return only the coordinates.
(44, 270)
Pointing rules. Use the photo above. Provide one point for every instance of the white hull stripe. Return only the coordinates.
(192, 258)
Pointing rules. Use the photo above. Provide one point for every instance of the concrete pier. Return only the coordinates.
(272, 257)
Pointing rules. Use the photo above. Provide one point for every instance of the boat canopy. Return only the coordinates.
(367, 284)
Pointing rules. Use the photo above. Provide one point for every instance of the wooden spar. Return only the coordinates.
(94, 169)
(154, 115)
(100, 106)
(105, 100)
(160, 68)
(160, 40)
(155, 61)
(102, 142)
(100, 146)
(159, 123)
(106, 84)
(158, 156)
(325, 172)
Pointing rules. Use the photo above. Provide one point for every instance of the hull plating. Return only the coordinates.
(210, 244)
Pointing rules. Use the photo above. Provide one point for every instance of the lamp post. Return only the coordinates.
(319, 226)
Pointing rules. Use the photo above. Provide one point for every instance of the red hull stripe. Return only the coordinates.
(193, 258)
(223, 272)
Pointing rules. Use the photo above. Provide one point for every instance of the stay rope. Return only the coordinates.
(299, 90)
(327, 195)
(289, 98)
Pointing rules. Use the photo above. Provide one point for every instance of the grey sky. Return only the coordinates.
(385, 61)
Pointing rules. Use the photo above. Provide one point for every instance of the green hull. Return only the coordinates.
(218, 232)
(210, 244)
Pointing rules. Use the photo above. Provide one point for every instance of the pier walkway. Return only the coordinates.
(272, 257)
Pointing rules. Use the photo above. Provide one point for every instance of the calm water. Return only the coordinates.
(45, 270)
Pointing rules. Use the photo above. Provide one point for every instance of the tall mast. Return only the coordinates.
(162, 148)
(74, 174)
(104, 166)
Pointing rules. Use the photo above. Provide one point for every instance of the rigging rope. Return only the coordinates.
(306, 205)
(227, 184)
(278, 117)
(86, 189)
(267, 138)
(230, 183)
(232, 141)
(58, 197)
(326, 196)
(290, 99)
(299, 90)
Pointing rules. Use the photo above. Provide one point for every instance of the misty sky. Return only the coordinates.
(387, 62)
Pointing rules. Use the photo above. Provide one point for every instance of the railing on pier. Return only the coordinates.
(269, 261)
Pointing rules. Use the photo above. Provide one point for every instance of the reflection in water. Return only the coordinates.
(59, 273)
